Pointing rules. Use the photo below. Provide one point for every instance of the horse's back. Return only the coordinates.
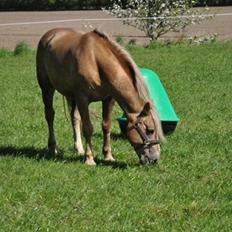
(56, 36)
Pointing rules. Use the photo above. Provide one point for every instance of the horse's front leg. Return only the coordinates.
(87, 130)
(107, 106)
(77, 131)
(76, 121)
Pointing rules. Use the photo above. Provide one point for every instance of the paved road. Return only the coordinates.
(29, 26)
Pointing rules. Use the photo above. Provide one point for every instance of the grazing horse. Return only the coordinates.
(87, 67)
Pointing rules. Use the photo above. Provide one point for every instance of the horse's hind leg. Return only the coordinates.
(107, 106)
(47, 94)
(76, 121)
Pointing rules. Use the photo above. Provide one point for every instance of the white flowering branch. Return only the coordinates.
(157, 17)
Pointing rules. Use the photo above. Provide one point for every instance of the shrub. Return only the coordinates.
(52, 4)
(120, 40)
(21, 48)
(214, 2)
(80, 4)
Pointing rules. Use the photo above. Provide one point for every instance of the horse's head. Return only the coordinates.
(144, 137)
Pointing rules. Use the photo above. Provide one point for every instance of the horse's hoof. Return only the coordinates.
(52, 151)
(109, 159)
(90, 162)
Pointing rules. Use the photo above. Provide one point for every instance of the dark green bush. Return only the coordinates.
(22, 48)
(78, 4)
(52, 4)
(214, 2)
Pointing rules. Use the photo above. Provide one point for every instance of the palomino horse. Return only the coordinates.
(87, 67)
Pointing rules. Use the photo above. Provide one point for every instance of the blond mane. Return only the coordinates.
(138, 80)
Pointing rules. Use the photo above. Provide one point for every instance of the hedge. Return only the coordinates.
(214, 2)
(52, 4)
(78, 4)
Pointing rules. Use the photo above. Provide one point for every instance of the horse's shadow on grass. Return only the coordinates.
(113, 136)
(42, 154)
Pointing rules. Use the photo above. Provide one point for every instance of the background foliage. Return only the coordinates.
(215, 2)
(77, 4)
(51, 4)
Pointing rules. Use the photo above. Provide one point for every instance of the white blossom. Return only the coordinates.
(157, 17)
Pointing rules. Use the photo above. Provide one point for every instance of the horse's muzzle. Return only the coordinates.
(148, 157)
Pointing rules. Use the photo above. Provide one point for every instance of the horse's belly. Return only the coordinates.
(61, 81)
(74, 86)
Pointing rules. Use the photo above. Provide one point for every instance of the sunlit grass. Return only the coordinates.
(189, 190)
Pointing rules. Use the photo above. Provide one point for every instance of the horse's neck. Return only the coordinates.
(130, 102)
(115, 66)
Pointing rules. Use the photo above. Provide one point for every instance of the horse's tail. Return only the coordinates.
(40, 67)
(41, 71)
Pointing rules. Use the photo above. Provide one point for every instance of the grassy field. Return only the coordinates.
(190, 188)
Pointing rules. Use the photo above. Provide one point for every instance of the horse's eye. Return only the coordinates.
(150, 130)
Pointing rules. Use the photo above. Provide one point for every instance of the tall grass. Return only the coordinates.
(189, 190)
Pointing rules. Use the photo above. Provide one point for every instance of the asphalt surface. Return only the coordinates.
(30, 26)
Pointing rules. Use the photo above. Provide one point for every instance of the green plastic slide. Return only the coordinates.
(161, 101)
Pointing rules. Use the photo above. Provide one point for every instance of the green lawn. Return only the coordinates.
(189, 190)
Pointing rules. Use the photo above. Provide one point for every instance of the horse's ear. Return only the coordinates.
(146, 109)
